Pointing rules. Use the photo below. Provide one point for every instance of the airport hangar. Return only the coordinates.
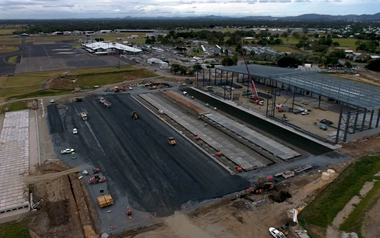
(359, 114)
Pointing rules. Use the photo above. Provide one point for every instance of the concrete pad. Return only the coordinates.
(277, 149)
(14, 161)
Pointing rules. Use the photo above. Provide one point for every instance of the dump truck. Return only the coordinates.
(105, 200)
(83, 115)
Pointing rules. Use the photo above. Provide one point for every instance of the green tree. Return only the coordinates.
(373, 65)
(227, 61)
(348, 64)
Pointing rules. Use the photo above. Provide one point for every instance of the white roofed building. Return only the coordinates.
(105, 47)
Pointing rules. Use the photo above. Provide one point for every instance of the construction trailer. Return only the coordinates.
(105, 200)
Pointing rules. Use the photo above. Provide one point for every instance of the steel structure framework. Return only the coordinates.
(357, 99)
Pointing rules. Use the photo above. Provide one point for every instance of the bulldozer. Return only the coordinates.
(134, 116)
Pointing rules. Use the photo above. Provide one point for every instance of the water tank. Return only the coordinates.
(325, 176)
(331, 172)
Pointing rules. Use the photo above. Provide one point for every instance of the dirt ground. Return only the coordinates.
(63, 207)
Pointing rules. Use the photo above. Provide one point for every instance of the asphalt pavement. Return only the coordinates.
(144, 172)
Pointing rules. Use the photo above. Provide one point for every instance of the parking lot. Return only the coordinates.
(143, 172)
(55, 56)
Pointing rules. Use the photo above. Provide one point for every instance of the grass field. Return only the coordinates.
(89, 81)
(100, 70)
(15, 230)
(9, 42)
(6, 31)
(12, 60)
(354, 221)
(27, 85)
(7, 49)
(289, 40)
(24, 83)
(322, 210)
(283, 48)
(348, 43)
(17, 106)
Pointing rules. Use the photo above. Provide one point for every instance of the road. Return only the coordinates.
(135, 155)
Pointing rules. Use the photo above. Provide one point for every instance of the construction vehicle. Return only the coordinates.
(264, 184)
(102, 99)
(284, 229)
(73, 155)
(107, 103)
(96, 170)
(96, 179)
(105, 200)
(134, 115)
(83, 115)
(256, 100)
(116, 89)
(172, 141)
(255, 97)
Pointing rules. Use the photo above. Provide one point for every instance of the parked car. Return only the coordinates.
(276, 233)
(326, 122)
(306, 112)
(67, 151)
(75, 131)
(102, 99)
(52, 101)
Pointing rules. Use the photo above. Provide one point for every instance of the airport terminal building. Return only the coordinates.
(108, 48)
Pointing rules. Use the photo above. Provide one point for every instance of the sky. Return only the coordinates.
(60, 9)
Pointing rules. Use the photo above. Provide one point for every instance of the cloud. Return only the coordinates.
(119, 8)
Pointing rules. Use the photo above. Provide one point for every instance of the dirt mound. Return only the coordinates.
(89, 232)
(58, 212)
(49, 176)
(280, 196)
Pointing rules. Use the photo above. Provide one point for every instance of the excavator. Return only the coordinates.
(134, 115)
(263, 185)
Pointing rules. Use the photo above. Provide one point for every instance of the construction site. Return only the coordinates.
(168, 160)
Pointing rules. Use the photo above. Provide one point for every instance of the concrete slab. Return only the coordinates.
(245, 160)
(14, 161)
(277, 149)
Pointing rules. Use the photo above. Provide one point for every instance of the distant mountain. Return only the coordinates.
(304, 17)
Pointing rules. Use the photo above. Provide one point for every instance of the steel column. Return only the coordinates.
(356, 120)
(339, 123)
(364, 116)
(294, 96)
(378, 118)
(370, 120)
(346, 126)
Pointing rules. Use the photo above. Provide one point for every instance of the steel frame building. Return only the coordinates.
(359, 103)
